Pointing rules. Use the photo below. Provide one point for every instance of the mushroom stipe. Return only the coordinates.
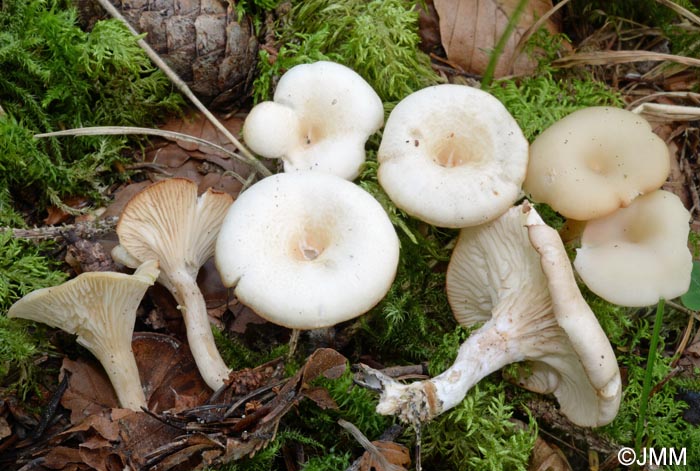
(514, 274)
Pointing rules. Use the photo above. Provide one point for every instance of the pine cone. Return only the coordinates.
(202, 41)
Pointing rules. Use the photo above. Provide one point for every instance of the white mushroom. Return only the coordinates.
(100, 308)
(452, 155)
(307, 250)
(638, 254)
(167, 222)
(513, 273)
(594, 161)
(320, 118)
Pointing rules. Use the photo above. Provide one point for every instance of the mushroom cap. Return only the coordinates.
(594, 161)
(452, 155)
(514, 273)
(638, 254)
(272, 129)
(321, 118)
(307, 250)
(167, 222)
(100, 308)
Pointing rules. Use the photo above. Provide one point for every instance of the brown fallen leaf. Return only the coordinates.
(547, 457)
(470, 29)
(395, 454)
(168, 373)
(379, 455)
(58, 215)
(89, 392)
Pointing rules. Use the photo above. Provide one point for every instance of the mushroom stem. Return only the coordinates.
(120, 366)
(487, 349)
(199, 335)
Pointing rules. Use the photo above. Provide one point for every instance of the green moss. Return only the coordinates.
(409, 322)
(630, 335)
(538, 102)
(377, 38)
(329, 462)
(478, 434)
(57, 76)
(23, 269)
(238, 355)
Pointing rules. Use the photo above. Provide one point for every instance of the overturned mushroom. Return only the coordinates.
(452, 155)
(307, 250)
(320, 119)
(638, 254)
(594, 161)
(513, 273)
(100, 308)
(167, 222)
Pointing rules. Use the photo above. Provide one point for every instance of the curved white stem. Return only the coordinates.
(484, 352)
(199, 335)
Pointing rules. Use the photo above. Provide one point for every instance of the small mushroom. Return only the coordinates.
(638, 254)
(594, 161)
(452, 156)
(167, 222)
(307, 250)
(100, 308)
(320, 118)
(513, 274)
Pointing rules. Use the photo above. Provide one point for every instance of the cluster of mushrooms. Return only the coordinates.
(307, 248)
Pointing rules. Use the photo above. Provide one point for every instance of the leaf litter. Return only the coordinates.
(186, 427)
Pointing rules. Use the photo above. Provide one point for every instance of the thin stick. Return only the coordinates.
(84, 230)
(182, 86)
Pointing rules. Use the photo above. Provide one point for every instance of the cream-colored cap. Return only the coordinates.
(638, 254)
(594, 161)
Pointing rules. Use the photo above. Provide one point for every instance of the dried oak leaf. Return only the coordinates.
(470, 30)
(396, 455)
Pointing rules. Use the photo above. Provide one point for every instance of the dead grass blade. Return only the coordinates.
(665, 112)
(621, 57)
(170, 135)
(689, 15)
